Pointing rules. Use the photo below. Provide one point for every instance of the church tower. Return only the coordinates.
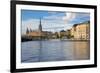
(27, 31)
(40, 26)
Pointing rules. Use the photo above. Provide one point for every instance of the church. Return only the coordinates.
(38, 34)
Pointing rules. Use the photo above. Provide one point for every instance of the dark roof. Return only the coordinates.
(75, 25)
(62, 31)
(86, 22)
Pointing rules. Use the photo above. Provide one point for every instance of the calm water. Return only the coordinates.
(54, 50)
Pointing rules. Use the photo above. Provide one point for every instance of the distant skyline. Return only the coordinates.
(51, 19)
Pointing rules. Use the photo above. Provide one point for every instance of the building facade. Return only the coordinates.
(81, 31)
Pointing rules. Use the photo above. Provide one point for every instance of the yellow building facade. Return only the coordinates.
(81, 31)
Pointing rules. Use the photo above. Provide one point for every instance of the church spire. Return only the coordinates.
(27, 31)
(40, 26)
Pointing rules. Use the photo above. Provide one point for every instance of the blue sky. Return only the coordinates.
(30, 14)
(51, 19)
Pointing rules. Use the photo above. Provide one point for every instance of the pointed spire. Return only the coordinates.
(27, 31)
(40, 26)
(30, 30)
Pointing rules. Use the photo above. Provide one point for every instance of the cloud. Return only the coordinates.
(80, 17)
(64, 18)
(55, 25)
(53, 17)
(69, 16)
(52, 12)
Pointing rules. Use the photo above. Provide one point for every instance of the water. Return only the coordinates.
(54, 50)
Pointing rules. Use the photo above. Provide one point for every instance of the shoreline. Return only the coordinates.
(73, 40)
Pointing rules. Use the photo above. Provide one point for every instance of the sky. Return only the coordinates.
(51, 20)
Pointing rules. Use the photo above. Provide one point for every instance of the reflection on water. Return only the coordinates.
(54, 50)
(81, 50)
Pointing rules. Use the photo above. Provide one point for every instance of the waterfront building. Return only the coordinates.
(72, 31)
(68, 34)
(81, 31)
(38, 34)
(35, 33)
(63, 34)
